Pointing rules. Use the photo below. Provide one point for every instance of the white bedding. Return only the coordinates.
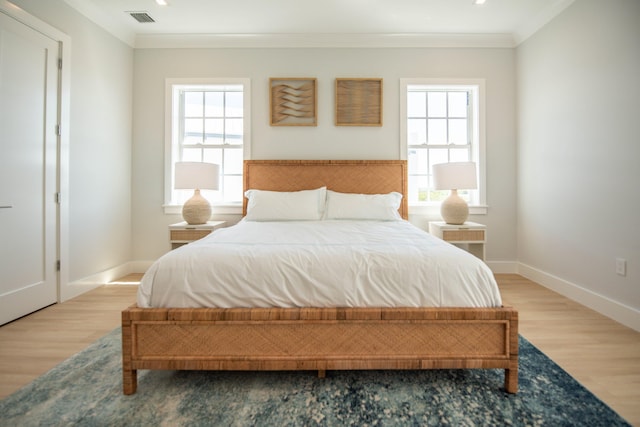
(319, 264)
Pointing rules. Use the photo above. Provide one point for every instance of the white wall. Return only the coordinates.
(99, 143)
(326, 141)
(578, 154)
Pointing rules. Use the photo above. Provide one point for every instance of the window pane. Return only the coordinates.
(193, 104)
(234, 105)
(214, 104)
(233, 188)
(232, 161)
(234, 131)
(214, 131)
(419, 161)
(437, 106)
(418, 188)
(457, 104)
(182, 196)
(438, 195)
(191, 155)
(211, 195)
(458, 131)
(212, 155)
(417, 104)
(417, 131)
(461, 155)
(437, 131)
(437, 155)
(193, 131)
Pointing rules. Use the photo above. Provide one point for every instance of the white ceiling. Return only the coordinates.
(497, 22)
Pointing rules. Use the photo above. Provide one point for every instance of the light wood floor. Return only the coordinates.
(601, 354)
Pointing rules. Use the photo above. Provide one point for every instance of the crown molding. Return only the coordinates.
(344, 40)
(327, 40)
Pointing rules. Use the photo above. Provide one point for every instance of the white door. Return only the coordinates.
(28, 169)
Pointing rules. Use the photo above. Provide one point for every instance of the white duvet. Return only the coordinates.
(319, 264)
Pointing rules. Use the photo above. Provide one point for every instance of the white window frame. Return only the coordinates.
(478, 145)
(172, 87)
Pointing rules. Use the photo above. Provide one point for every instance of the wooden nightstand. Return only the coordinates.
(469, 236)
(182, 233)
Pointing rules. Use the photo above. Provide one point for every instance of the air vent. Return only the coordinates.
(142, 17)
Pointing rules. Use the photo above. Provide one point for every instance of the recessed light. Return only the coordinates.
(479, 2)
(162, 2)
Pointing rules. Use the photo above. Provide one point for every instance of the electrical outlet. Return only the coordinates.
(621, 266)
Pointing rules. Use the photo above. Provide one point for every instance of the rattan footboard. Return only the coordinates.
(319, 339)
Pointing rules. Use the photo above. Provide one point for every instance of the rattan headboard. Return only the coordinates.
(345, 176)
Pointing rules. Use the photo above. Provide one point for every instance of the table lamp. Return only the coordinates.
(454, 176)
(196, 176)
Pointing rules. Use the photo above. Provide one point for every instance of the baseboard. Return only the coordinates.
(503, 267)
(621, 313)
(78, 287)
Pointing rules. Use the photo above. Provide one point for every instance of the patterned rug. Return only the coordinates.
(86, 390)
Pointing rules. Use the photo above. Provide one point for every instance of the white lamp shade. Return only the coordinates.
(196, 176)
(457, 175)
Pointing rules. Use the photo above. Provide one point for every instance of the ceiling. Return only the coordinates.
(251, 22)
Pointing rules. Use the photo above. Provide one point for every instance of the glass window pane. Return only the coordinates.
(234, 104)
(193, 131)
(211, 195)
(214, 131)
(212, 155)
(193, 104)
(232, 161)
(458, 131)
(457, 104)
(461, 155)
(437, 131)
(417, 131)
(233, 189)
(417, 104)
(214, 104)
(191, 155)
(437, 155)
(181, 196)
(418, 188)
(234, 131)
(437, 105)
(438, 195)
(419, 161)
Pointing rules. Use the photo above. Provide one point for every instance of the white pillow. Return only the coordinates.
(305, 205)
(363, 206)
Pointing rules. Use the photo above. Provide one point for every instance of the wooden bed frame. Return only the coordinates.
(320, 338)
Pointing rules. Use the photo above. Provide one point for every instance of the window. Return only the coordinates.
(208, 121)
(441, 122)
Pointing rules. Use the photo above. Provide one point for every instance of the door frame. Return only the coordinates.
(64, 79)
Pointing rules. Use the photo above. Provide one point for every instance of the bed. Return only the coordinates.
(334, 334)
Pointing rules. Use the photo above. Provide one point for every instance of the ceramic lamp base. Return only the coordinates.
(196, 210)
(454, 209)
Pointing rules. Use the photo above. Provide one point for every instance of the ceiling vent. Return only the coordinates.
(142, 17)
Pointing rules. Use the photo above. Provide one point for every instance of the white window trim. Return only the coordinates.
(478, 156)
(170, 85)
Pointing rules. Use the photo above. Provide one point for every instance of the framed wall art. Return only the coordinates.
(293, 101)
(359, 102)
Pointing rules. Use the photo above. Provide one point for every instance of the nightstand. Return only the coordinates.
(469, 236)
(182, 233)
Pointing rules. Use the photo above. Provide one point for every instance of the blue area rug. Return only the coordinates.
(86, 390)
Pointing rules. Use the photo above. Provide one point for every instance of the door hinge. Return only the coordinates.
(58, 198)
(58, 130)
(59, 63)
(58, 265)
